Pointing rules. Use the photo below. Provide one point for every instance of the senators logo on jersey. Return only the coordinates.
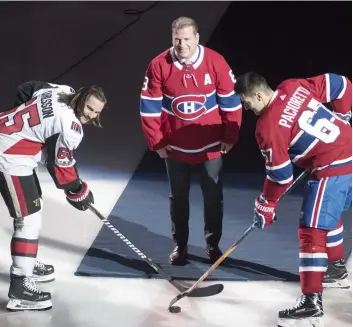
(189, 107)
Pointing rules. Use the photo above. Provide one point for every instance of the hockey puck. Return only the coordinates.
(174, 309)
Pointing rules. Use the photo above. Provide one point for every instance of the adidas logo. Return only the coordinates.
(282, 97)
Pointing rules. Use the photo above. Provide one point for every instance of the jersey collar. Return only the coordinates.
(196, 58)
(274, 96)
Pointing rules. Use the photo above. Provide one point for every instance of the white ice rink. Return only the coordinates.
(114, 302)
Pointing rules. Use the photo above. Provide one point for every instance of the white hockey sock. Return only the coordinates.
(24, 244)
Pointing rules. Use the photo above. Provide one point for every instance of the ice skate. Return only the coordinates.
(24, 295)
(43, 273)
(307, 312)
(336, 275)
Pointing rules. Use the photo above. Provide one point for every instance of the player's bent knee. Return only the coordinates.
(29, 226)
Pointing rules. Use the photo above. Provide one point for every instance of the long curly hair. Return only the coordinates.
(77, 100)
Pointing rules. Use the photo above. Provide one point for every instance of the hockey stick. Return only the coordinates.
(189, 291)
(202, 292)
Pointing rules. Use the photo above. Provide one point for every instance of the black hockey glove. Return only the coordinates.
(81, 198)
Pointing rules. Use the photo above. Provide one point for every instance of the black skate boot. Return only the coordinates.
(336, 275)
(43, 273)
(24, 295)
(307, 312)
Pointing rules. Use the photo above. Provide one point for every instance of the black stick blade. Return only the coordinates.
(206, 291)
(175, 300)
(198, 292)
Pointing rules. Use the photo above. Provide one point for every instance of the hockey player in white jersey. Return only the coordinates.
(46, 121)
(25, 92)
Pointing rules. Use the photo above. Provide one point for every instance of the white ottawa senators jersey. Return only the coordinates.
(40, 125)
(190, 107)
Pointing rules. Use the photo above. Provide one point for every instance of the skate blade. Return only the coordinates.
(305, 322)
(43, 279)
(338, 283)
(21, 305)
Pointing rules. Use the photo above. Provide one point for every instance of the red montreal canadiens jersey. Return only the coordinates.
(41, 129)
(191, 107)
(297, 128)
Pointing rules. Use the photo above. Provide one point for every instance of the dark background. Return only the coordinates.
(78, 43)
(281, 40)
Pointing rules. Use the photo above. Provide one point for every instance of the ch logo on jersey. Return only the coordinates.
(189, 106)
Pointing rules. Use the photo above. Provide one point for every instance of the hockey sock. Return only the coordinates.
(313, 259)
(334, 243)
(24, 244)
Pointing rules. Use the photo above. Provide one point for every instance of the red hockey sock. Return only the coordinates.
(313, 259)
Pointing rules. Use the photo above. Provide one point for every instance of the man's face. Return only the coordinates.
(91, 110)
(254, 102)
(185, 41)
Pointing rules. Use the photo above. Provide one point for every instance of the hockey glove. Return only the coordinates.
(81, 198)
(264, 212)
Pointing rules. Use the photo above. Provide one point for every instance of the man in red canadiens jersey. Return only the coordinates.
(191, 116)
(294, 127)
(44, 126)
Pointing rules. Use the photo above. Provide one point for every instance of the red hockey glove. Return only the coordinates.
(264, 212)
(81, 198)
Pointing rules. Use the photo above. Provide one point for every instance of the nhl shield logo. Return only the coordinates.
(189, 106)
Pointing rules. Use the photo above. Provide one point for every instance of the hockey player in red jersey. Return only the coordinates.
(294, 127)
(191, 116)
(44, 126)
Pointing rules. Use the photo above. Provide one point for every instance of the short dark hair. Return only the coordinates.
(248, 83)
